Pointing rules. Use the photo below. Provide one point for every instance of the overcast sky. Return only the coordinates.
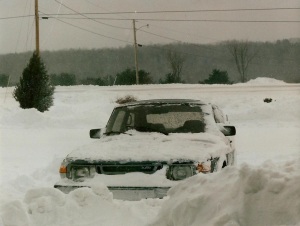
(115, 30)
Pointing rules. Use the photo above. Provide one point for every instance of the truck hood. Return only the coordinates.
(136, 146)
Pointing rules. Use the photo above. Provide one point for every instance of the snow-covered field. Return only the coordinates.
(263, 189)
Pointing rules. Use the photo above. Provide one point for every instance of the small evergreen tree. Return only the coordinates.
(217, 77)
(128, 77)
(34, 89)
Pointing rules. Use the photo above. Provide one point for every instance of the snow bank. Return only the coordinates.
(265, 81)
(266, 195)
(84, 206)
(33, 144)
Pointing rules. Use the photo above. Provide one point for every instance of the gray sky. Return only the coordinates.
(18, 35)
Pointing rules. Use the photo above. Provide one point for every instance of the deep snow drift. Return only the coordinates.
(266, 195)
(263, 189)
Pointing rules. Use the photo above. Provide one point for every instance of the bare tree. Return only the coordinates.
(176, 61)
(243, 55)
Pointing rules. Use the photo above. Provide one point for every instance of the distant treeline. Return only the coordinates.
(279, 60)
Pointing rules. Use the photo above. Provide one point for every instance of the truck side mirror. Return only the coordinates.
(95, 133)
(227, 130)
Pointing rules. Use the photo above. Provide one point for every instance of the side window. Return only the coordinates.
(218, 114)
(118, 124)
(130, 120)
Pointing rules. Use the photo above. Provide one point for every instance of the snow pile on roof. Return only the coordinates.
(265, 81)
(266, 195)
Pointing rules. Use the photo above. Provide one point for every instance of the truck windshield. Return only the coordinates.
(162, 118)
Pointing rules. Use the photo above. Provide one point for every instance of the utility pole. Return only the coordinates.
(135, 53)
(37, 28)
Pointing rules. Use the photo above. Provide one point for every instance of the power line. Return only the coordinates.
(161, 36)
(152, 46)
(157, 35)
(154, 25)
(163, 11)
(153, 19)
(15, 17)
(176, 40)
(192, 11)
(82, 14)
(95, 33)
(164, 28)
(222, 21)
(181, 32)
(165, 37)
(92, 32)
(187, 11)
(29, 30)
(160, 11)
(126, 19)
(184, 20)
(19, 33)
(52, 26)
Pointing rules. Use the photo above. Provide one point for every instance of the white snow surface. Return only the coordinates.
(262, 189)
(153, 147)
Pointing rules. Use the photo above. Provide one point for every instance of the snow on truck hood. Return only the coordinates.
(137, 146)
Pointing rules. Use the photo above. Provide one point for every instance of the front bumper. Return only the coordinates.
(126, 193)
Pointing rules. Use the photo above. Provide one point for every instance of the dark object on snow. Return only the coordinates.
(126, 99)
(268, 100)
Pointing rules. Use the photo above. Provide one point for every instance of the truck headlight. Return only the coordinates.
(180, 171)
(81, 172)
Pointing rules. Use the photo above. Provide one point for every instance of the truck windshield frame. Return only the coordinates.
(163, 118)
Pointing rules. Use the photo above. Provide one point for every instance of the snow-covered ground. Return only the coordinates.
(263, 189)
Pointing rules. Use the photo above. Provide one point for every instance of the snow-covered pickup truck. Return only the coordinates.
(149, 146)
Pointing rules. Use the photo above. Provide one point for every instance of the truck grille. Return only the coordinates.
(122, 169)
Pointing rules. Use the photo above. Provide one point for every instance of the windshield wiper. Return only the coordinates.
(147, 129)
